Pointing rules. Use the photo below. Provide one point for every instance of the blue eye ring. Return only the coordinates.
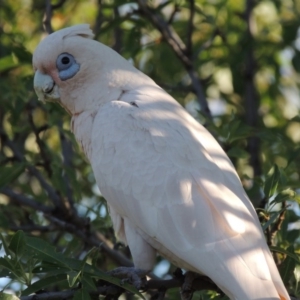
(67, 66)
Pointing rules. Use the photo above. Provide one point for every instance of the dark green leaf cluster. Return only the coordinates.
(27, 257)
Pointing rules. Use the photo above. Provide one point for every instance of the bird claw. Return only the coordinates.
(131, 275)
(187, 286)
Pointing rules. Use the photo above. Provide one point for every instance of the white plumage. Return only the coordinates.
(169, 186)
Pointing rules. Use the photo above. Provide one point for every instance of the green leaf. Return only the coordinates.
(94, 272)
(82, 294)
(5, 262)
(294, 156)
(287, 267)
(274, 216)
(4, 273)
(236, 130)
(17, 243)
(4, 296)
(297, 273)
(42, 283)
(8, 62)
(286, 252)
(13, 267)
(283, 196)
(9, 174)
(5, 245)
(88, 283)
(73, 277)
(296, 118)
(296, 61)
(50, 269)
(45, 251)
(237, 152)
(271, 182)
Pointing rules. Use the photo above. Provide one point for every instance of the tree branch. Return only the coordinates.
(47, 17)
(25, 201)
(90, 239)
(251, 96)
(48, 14)
(78, 228)
(174, 12)
(181, 51)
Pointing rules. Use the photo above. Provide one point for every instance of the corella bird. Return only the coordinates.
(169, 186)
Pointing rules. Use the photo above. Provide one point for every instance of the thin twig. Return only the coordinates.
(174, 12)
(275, 228)
(48, 14)
(25, 201)
(54, 197)
(190, 29)
(167, 31)
(33, 228)
(47, 17)
(41, 145)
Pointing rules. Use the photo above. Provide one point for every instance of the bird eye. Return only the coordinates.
(67, 66)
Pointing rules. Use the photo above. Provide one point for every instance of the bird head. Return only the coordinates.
(78, 72)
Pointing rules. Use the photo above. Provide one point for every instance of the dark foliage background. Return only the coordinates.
(234, 64)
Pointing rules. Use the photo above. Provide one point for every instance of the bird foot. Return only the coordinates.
(134, 276)
(187, 286)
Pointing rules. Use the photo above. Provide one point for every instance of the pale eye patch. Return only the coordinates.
(67, 66)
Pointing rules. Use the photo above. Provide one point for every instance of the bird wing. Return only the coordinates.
(163, 171)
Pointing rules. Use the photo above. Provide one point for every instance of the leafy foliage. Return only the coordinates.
(27, 257)
(244, 56)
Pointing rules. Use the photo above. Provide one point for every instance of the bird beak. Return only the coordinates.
(45, 87)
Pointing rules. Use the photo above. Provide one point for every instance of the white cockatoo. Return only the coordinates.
(169, 186)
